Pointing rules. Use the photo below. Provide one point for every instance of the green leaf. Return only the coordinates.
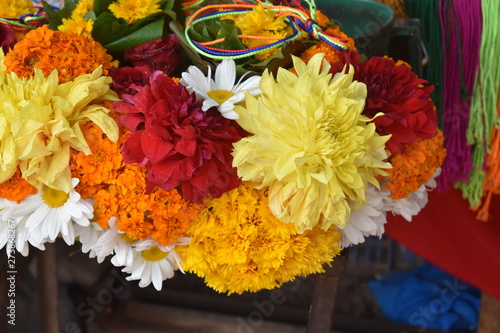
(194, 56)
(145, 34)
(55, 17)
(51, 13)
(101, 6)
(230, 33)
(282, 58)
(90, 15)
(108, 28)
(65, 12)
(168, 5)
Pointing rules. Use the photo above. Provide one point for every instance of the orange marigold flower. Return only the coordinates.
(321, 18)
(415, 166)
(171, 215)
(133, 202)
(70, 54)
(125, 198)
(16, 188)
(134, 225)
(101, 167)
(332, 55)
(105, 205)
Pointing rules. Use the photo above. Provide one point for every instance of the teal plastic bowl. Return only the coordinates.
(362, 20)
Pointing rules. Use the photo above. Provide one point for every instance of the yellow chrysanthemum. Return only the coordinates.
(16, 8)
(40, 122)
(238, 245)
(77, 23)
(263, 23)
(134, 10)
(83, 7)
(310, 144)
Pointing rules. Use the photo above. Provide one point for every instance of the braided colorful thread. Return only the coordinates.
(300, 19)
(25, 19)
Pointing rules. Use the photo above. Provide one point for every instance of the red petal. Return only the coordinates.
(155, 148)
(132, 150)
(187, 143)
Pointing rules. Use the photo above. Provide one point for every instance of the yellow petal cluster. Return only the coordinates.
(77, 23)
(16, 8)
(263, 23)
(238, 245)
(310, 144)
(40, 121)
(134, 10)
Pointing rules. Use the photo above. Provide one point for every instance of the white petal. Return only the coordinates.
(37, 217)
(251, 85)
(156, 276)
(196, 81)
(225, 75)
(208, 103)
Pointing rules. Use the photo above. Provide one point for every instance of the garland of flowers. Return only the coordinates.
(248, 173)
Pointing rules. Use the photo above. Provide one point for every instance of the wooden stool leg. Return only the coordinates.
(47, 289)
(489, 315)
(325, 293)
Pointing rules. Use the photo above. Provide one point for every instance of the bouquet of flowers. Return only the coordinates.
(244, 141)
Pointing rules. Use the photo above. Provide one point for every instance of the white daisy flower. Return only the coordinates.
(13, 232)
(221, 92)
(155, 264)
(114, 241)
(414, 202)
(52, 212)
(88, 236)
(368, 220)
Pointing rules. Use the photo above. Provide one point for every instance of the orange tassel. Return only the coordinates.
(491, 184)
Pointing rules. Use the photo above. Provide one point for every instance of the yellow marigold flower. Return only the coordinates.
(16, 8)
(134, 10)
(332, 55)
(70, 54)
(263, 23)
(415, 166)
(16, 188)
(83, 7)
(238, 245)
(77, 25)
(40, 122)
(310, 144)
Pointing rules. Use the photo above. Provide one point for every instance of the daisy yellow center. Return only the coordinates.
(154, 254)
(220, 96)
(53, 197)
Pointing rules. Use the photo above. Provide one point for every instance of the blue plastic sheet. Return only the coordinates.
(427, 297)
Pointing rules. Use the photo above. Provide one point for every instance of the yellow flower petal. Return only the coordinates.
(40, 123)
(310, 144)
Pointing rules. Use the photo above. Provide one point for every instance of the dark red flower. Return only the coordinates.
(159, 55)
(129, 80)
(397, 92)
(182, 146)
(7, 37)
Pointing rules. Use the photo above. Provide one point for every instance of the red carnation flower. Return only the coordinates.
(182, 146)
(159, 55)
(397, 92)
(129, 80)
(7, 37)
